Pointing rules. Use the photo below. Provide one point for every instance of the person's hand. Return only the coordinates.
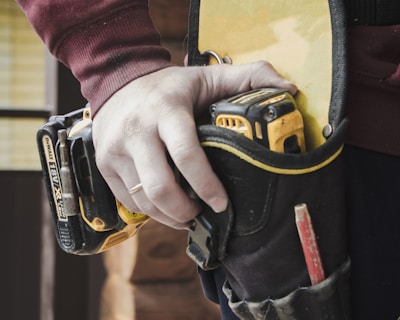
(153, 117)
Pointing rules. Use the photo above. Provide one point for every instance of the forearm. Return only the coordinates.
(106, 44)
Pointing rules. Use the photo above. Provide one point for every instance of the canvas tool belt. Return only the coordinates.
(255, 240)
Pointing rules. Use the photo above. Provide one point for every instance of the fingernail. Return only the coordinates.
(292, 88)
(218, 204)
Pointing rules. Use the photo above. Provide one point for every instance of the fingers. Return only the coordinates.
(222, 81)
(152, 117)
(180, 137)
(162, 193)
(138, 201)
(264, 75)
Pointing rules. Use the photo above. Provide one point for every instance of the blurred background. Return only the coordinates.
(148, 277)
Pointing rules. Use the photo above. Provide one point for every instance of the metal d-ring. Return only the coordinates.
(215, 55)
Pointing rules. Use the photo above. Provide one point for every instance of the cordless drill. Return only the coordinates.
(87, 218)
(267, 115)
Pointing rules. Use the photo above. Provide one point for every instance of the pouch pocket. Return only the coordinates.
(264, 257)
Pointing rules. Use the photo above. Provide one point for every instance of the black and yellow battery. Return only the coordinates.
(87, 217)
(268, 116)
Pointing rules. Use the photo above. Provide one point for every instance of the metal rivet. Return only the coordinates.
(327, 130)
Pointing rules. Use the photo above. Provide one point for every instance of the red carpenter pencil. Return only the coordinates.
(309, 244)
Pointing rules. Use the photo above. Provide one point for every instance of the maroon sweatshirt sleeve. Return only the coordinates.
(106, 43)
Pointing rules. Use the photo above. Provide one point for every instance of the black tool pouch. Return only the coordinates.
(256, 240)
(263, 256)
(326, 300)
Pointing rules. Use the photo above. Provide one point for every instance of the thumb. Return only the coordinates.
(221, 81)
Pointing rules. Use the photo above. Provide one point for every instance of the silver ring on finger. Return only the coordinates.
(135, 188)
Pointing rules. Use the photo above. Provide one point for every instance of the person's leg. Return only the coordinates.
(373, 186)
(212, 282)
